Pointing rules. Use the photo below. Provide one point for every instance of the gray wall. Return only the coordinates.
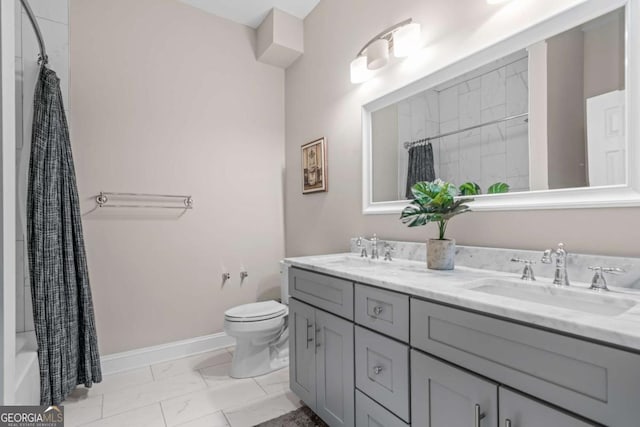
(187, 110)
(566, 119)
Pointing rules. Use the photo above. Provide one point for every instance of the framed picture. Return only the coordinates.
(314, 166)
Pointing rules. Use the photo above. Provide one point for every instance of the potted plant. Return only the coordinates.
(436, 202)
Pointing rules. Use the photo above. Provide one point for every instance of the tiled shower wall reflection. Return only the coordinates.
(490, 154)
(53, 19)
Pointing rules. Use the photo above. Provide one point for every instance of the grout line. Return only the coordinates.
(162, 412)
(102, 406)
(224, 414)
(153, 377)
(262, 388)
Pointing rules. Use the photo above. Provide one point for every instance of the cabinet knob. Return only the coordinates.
(377, 370)
(377, 310)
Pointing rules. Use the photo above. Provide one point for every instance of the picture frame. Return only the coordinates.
(314, 166)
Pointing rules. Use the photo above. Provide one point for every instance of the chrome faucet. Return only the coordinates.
(599, 283)
(561, 277)
(374, 246)
(363, 248)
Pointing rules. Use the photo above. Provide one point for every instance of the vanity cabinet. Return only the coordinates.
(365, 356)
(321, 363)
(445, 396)
(517, 410)
(586, 378)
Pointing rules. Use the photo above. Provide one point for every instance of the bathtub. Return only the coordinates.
(27, 370)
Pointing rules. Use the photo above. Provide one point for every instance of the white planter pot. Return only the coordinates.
(441, 254)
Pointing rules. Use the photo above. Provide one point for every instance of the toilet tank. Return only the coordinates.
(284, 282)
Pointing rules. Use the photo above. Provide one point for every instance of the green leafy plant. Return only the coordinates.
(434, 201)
(473, 189)
(498, 187)
(470, 189)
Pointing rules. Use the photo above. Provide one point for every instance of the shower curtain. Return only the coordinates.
(420, 166)
(62, 305)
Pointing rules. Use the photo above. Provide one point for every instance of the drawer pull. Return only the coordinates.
(479, 415)
(309, 339)
(377, 370)
(377, 310)
(507, 422)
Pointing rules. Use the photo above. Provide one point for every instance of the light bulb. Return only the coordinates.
(406, 40)
(378, 54)
(359, 71)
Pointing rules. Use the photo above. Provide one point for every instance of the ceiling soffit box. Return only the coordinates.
(280, 39)
(252, 12)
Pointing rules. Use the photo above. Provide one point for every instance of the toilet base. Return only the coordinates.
(251, 361)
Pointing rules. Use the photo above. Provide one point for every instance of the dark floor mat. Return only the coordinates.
(301, 417)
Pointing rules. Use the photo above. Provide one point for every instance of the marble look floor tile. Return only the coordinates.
(262, 410)
(191, 363)
(214, 420)
(116, 402)
(274, 382)
(196, 405)
(120, 380)
(218, 376)
(148, 416)
(79, 408)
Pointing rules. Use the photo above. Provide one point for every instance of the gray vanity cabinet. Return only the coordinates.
(334, 369)
(445, 396)
(321, 363)
(302, 352)
(517, 410)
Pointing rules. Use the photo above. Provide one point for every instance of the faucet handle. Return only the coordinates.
(388, 249)
(599, 283)
(359, 241)
(527, 272)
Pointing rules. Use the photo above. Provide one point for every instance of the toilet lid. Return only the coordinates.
(255, 311)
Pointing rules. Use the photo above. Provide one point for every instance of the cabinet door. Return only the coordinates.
(445, 396)
(302, 351)
(334, 370)
(517, 410)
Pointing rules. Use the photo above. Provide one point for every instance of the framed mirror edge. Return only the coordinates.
(570, 198)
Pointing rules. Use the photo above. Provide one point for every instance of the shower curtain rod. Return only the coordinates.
(408, 145)
(43, 59)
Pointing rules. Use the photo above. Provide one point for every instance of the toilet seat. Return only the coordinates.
(255, 312)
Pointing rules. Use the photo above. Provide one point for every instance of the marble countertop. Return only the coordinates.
(460, 288)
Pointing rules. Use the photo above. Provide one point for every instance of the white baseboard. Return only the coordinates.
(140, 357)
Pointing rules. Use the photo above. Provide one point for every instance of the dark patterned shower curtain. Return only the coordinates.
(421, 166)
(62, 305)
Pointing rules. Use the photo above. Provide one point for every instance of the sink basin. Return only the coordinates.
(568, 298)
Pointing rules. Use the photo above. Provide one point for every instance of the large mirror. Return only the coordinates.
(544, 125)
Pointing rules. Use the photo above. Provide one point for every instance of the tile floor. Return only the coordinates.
(194, 391)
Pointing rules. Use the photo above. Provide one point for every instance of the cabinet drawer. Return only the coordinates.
(383, 311)
(329, 293)
(589, 379)
(382, 371)
(371, 414)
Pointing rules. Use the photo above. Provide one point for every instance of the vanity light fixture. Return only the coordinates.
(403, 39)
(497, 1)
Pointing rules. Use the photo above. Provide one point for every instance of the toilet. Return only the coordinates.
(261, 333)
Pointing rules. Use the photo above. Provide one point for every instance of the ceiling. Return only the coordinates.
(252, 12)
